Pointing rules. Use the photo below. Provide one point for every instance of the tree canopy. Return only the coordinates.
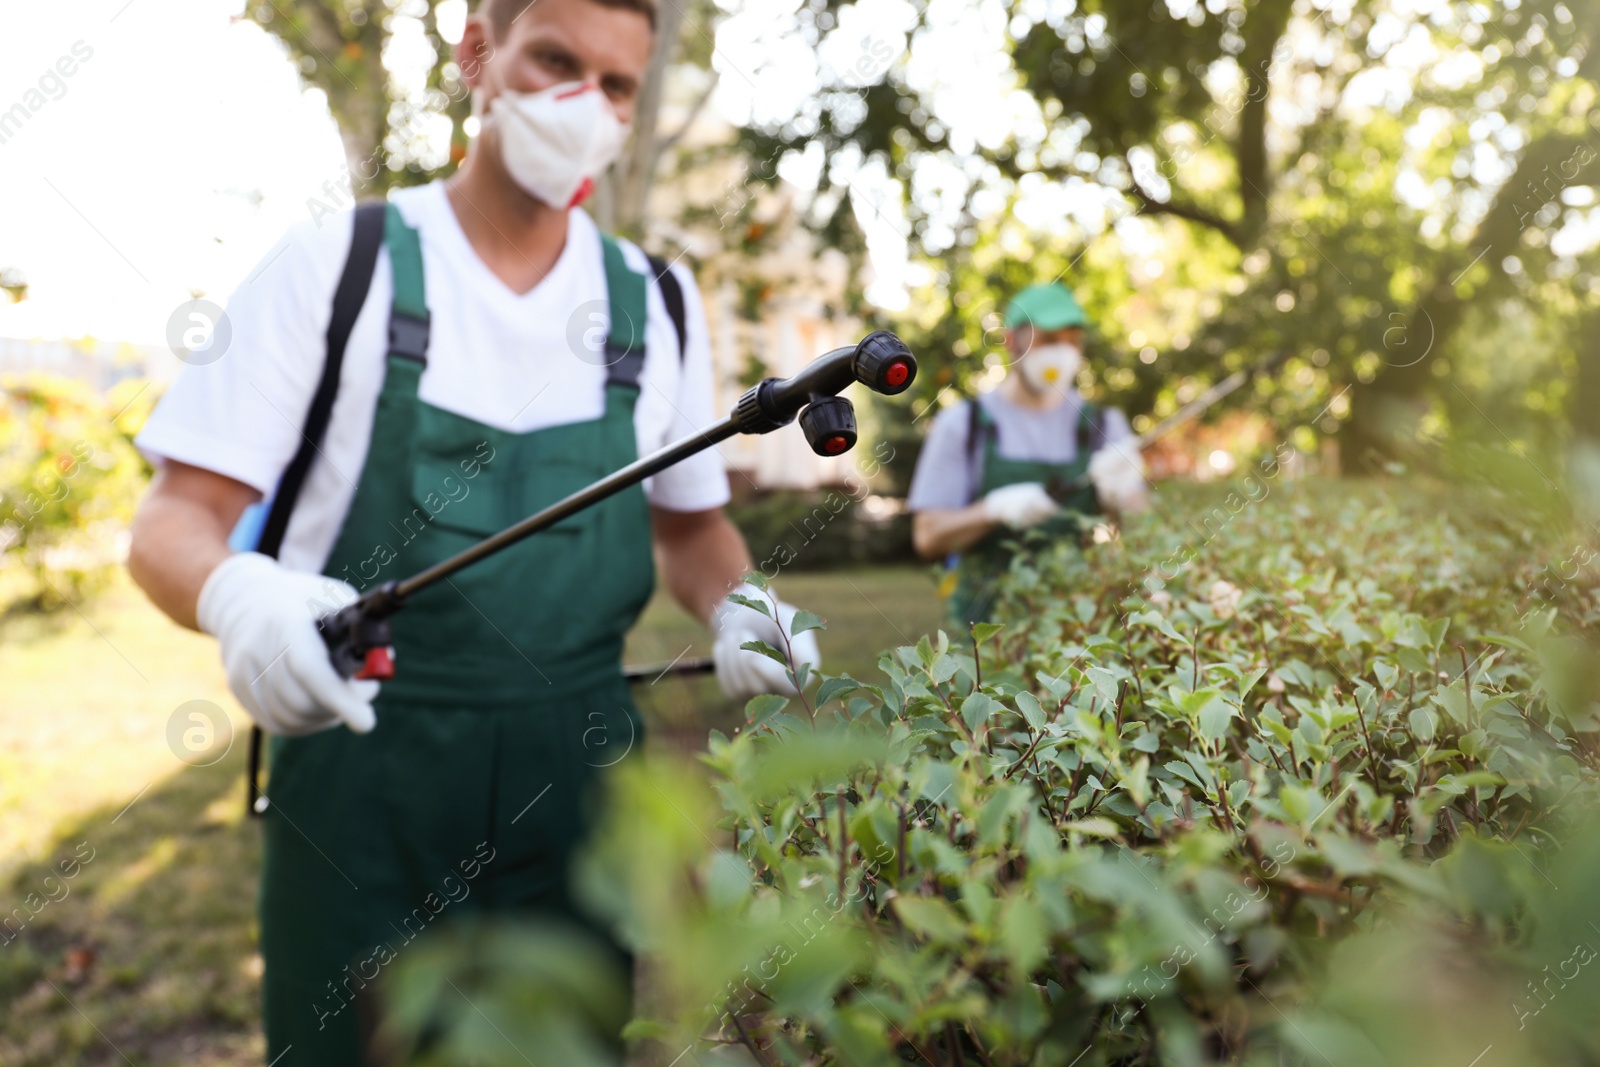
(1401, 195)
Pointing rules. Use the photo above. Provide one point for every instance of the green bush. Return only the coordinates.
(69, 480)
(1174, 813)
(1497, 953)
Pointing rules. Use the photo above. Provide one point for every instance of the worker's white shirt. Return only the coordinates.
(519, 363)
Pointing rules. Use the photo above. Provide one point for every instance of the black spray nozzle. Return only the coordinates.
(829, 425)
(884, 364)
(881, 362)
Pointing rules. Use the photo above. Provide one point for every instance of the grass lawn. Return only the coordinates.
(145, 955)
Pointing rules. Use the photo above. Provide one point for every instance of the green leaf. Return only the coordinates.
(1105, 684)
(982, 631)
(751, 603)
(1199, 764)
(1024, 934)
(783, 722)
(977, 708)
(804, 620)
(1299, 803)
(832, 688)
(978, 901)
(1386, 673)
(1150, 618)
(807, 760)
(1349, 859)
(1297, 673)
(933, 919)
(1137, 781)
(767, 651)
(1215, 718)
(1456, 784)
(873, 829)
(1028, 704)
(944, 668)
(1436, 631)
(1453, 701)
(757, 579)
(806, 984)
(1149, 741)
(1422, 723)
(1056, 685)
(758, 708)
(1210, 710)
(1186, 772)
(1508, 642)
(938, 781)
(1192, 703)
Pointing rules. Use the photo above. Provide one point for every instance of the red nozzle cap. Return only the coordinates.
(836, 444)
(378, 666)
(897, 373)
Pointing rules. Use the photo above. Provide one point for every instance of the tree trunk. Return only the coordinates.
(1264, 27)
(1583, 459)
(620, 203)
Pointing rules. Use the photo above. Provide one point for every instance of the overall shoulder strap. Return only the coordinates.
(980, 426)
(625, 294)
(672, 297)
(1091, 428)
(348, 298)
(408, 314)
(980, 431)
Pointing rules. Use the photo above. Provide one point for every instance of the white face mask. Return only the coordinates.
(1050, 367)
(558, 141)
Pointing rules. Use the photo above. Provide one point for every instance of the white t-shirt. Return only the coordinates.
(519, 363)
(946, 474)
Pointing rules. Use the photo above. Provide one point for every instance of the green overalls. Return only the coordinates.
(978, 570)
(480, 779)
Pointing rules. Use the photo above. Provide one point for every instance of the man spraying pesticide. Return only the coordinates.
(1032, 454)
(1050, 479)
(416, 391)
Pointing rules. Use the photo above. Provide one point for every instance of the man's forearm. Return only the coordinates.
(175, 546)
(180, 534)
(701, 556)
(939, 531)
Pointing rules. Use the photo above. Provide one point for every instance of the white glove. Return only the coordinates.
(1118, 477)
(743, 674)
(1019, 506)
(264, 618)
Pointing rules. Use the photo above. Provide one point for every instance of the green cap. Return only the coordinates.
(1049, 306)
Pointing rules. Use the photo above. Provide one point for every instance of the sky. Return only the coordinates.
(169, 160)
